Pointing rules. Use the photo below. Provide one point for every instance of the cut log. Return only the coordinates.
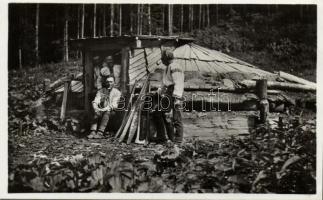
(296, 79)
(250, 84)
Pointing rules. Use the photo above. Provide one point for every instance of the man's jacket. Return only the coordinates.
(106, 98)
(174, 75)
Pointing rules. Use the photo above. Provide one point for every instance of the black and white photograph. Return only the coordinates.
(154, 97)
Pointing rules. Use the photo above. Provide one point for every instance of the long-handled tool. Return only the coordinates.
(138, 141)
(125, 117)
(133, 111)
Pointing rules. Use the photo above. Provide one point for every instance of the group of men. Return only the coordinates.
(107, 97)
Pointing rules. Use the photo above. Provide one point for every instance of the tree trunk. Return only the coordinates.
(217, 14)
(170, 19)
(163, 18)
(78, 28)
(120, 20)
(104, 31)
(204, 16)
(200, 16)
(20, 59)
(149, 20)
(78, 21)
(111, 19)
(192, 18)
(37, 37)
(94, 20)
(141, 17)
(182, 17)
(189, 17)
(82, 21)
(131, 20)
(138, 19)
(208, 15)
(66, 34)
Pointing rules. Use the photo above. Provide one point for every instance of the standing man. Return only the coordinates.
(172, 91)
(101, 72)
(104, 105)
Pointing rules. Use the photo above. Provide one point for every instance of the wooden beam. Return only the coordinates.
(88, 79)
(124, 79)
(261, 90)
(279, 85)
(64, 102)
(46, 85)
(296, 79)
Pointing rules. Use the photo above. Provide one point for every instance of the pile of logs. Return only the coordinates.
(294, 83)
(131, 124)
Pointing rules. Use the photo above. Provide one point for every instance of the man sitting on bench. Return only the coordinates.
(104, 104)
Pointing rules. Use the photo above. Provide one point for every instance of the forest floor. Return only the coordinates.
(45, 157)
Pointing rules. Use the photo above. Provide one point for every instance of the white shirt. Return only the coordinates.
(174, 75)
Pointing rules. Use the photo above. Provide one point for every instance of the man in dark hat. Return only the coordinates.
(172, 91)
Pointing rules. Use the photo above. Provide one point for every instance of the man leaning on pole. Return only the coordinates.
(173, 88)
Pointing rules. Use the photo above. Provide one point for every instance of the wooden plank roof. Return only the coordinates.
(212, 61)
(125, 40)
(193, 59)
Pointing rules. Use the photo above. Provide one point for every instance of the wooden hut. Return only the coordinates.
(234, 81)
(137, 54)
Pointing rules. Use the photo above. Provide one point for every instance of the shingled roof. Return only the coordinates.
(197, 58)
(204, 69)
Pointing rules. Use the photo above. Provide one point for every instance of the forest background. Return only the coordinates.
(272, 36)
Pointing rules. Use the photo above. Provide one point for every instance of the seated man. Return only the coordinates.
(104, 104)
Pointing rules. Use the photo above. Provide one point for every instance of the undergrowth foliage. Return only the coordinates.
(279, 160)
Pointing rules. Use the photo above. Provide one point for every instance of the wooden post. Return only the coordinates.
(64, 102)
(124, 70)
(88, 79)
(261, 89)
(20, 59)
(46, 85)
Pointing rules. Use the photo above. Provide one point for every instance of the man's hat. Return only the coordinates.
(109, 59)
(96, 58)
(110, 78)
(167, 54)
(105, 71)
